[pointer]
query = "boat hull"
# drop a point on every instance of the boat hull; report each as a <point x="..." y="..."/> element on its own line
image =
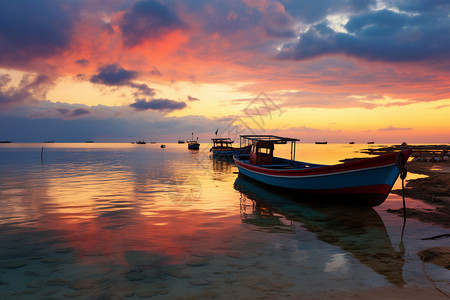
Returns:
<point x="230" y="151"/>
<point x="366" y="182"/>
<point x="194" y="147"/>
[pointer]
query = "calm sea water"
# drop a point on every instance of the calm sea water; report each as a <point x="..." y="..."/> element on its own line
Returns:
<point x="124" y="221"/>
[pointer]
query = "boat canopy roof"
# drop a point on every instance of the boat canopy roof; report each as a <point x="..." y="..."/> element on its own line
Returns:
<point x="268" y="138"/>
<point x="267" y="141"/>
<point x="218" y="140"/>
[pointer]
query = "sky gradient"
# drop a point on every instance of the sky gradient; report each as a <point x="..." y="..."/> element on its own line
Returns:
<point x="122" y="70"/>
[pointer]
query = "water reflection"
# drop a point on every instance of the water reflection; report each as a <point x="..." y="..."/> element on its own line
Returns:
<point x="222" y="164"/>
<point x="357" y="230"/>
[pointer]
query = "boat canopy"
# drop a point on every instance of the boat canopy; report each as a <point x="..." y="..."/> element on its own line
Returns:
<point x="263" y="146"/>
<point x="222" y="142"/>
<point x="268" y="138"/>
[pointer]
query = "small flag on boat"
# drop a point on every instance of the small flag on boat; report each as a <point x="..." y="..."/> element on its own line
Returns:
<point x="217" y="131"/>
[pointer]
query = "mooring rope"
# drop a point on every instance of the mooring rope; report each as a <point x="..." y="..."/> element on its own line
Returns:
<point x="400" y="163"/>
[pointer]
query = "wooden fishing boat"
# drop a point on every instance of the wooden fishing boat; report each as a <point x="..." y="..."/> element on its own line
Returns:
<point x="366" y="181"/>
<point x="193" y="144"/>
<point x="224" y="147"/>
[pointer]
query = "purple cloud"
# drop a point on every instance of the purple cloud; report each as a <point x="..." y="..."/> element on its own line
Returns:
<point x="113" y="75"/>
<point x="82" y="62"/>
<point x="190" y="98"/>
<point x="383" y="35"/>
<point x="278" y="23"/>
<point x="61" y="113"/>
<point x="155" y="72"/>
<point x="158" y="104"/>
<point x="143" y="89"/>
<point x="30" y="29"/>
<point x="30" y="89"/>
<point x="148" y="19"/>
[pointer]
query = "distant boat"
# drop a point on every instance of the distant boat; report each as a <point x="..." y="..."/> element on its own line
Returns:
<point x="351" y="143"/>
<point x="224" y="147"/>
<point x="49" y="142"/>
<point x="193" y="144"/>
<point x="370" y="142"/>
<point x="366" y="181"/>
<point x="141" y="142"/>
<point x="152" y="142"/>
<point x="4" y="142"/>
<point x="322" y="143"/>
<point x="180" y="141"/>
<point x="163" y="146"/>
<point x="89" y="141"/>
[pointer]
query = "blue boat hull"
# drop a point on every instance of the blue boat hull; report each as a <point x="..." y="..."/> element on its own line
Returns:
<point x="368" y="181"/>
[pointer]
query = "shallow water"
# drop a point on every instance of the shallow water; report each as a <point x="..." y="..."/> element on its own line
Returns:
<point x="102" y="221"/>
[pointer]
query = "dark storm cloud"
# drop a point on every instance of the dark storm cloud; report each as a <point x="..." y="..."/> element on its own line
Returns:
<point x="158" y="104"/>
<point x="379" y="35"/>
<point x="148" y="19"/>
<point x="30" y="89"/>
<point x="30" y="28"/>
<point x="113" y="75"/>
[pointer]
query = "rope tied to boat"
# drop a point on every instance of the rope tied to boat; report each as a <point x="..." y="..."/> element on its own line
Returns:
<point x="400" y="163"/>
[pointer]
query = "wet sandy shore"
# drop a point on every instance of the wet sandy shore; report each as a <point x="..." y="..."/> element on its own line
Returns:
<point x="433" y="189"/>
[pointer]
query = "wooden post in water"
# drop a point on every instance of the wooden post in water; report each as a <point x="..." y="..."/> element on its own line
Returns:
<point x="42" y="155"/>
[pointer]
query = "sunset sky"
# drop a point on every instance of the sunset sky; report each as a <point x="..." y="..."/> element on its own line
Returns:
<point x="122" y="70"/>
